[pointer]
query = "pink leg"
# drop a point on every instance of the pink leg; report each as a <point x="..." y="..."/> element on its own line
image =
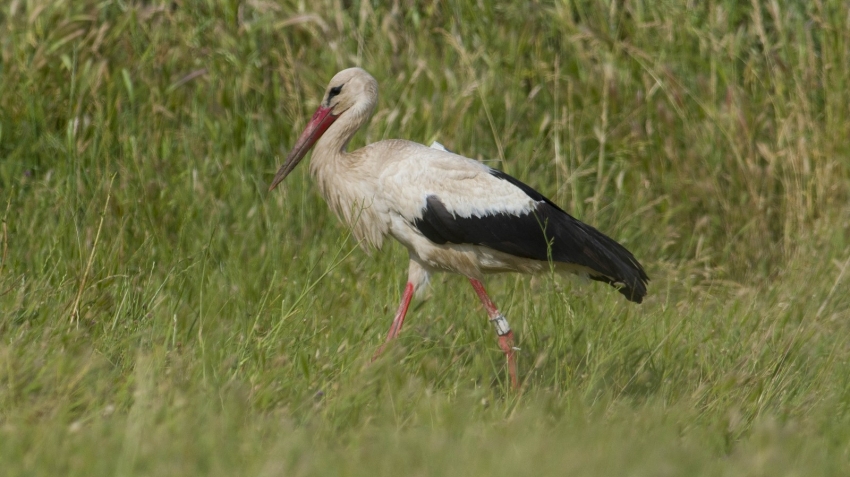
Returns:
<point x="506" y="336"/>
<point x="395" y="328"/>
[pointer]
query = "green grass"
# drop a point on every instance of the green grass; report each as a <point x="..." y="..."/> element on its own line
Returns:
<point x="161" y="314"/>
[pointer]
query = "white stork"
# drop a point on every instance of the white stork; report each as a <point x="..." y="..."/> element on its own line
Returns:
<point x="452" y="213"/>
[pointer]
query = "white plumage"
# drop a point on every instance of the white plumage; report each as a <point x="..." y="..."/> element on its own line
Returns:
<point x="452" y="213"/>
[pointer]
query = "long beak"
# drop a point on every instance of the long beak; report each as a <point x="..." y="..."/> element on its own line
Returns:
<point x="317" y="126"/>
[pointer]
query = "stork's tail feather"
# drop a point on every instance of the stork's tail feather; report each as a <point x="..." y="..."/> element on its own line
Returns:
<point x="573" y="241"/>
<point x="634" y="290"/>
<point x="611" y="262"/>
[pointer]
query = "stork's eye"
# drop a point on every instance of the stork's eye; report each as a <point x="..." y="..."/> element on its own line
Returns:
<point x="334" y="91"/>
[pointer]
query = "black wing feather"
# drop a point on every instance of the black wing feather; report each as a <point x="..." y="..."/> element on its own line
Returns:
<point x="547" y="233"/>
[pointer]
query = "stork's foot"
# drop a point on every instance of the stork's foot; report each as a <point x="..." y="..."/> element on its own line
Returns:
<point x="395" y="328"/>
<point x="503" y="330"/>
<point x="378" y="352"/>
<point x="506" y="342"/>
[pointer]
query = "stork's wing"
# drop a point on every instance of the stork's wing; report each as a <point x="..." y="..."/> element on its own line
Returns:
<point x="451" y="199"/>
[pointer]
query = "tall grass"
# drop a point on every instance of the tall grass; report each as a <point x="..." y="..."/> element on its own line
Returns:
<point x="160" y="313"/>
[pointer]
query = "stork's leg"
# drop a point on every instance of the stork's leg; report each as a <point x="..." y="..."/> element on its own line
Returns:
<point x="506" y="336"/>
<point x="398" y="320"/>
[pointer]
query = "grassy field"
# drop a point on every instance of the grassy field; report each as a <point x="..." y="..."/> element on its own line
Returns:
<point x="162" y="314"/>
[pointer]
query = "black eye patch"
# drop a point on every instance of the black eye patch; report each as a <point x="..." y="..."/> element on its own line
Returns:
<point x="334" y="91"/>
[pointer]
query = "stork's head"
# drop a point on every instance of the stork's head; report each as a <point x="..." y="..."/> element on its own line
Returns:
<point x="353" y="93"/>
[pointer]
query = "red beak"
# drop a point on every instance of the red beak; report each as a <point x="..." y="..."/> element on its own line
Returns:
<point x="322" y="119"/>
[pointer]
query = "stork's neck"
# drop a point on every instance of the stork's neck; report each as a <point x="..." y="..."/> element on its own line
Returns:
<point x="331" y="147"/>
<point x="340" y="180"/>
<point x="332" y="166"/>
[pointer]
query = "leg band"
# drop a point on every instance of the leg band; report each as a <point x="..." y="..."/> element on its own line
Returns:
<point x="501" y="324"/>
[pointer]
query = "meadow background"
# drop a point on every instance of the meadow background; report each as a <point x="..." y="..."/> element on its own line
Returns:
<point x="162" y="314"/>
